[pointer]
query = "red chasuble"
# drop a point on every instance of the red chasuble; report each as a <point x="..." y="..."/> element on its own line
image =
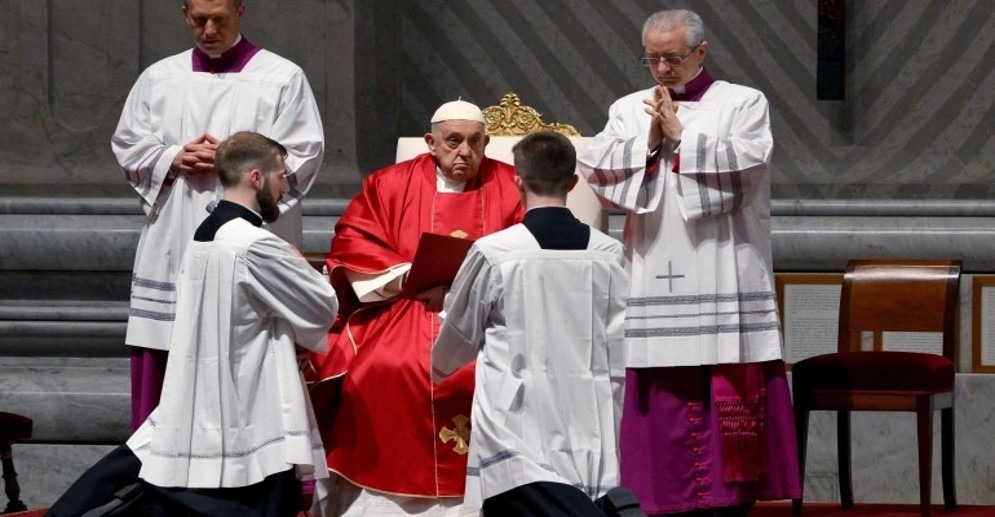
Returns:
<point x="394" y="430"/>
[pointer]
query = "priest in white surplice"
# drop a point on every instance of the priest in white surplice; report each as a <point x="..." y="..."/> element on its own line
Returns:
<point x="234" y="433"/>
<point x="176" y="113"/>
<point x="540" y="306"/>
<point x="707" y="418"/>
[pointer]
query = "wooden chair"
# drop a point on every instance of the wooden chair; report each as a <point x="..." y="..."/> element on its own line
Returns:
<point x="12" y="428"/>
<point x="880" y="296"/>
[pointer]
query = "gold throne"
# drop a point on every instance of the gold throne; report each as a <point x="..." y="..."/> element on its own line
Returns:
<point x="512" y="118"/>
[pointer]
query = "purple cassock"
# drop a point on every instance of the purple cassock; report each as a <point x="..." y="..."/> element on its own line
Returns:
<point x="671" y="441"/>
<point x="675" y="446"/>
<point x="148" y="366"/>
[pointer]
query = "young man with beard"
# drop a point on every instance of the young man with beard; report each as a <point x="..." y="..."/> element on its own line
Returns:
<point x="234" y="433"/>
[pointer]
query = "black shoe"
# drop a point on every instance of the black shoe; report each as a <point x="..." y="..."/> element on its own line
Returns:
<point x="619" y="502"/>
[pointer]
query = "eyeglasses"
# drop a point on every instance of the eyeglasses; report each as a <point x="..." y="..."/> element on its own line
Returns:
<point x="671" y="61"/>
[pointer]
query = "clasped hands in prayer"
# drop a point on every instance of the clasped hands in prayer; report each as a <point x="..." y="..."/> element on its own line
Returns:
<point x="664" y="125"/>
<point x="197" y="156"/>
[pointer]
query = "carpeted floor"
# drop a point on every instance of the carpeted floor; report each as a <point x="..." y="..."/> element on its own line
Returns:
<point x="778" y="509"/>
<point x="783" y="509"/>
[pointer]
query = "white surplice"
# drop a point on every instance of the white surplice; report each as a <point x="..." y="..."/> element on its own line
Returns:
<point x="549" y="368"/>
<point x="702" y="283"/>
<point x="171" y="105"/>
<point x="234" y="408"/>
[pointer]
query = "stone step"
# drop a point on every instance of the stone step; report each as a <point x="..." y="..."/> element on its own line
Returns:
<point x="99" y="242"/>
<point x="71" y="400"/>
<point x="63" y="338"/>
<point x="72" y="328"/>
<point x="96" y="286"/>
<point x="71" y="310"/>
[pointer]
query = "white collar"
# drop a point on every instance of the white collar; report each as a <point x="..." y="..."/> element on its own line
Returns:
<point x="215" y="56"/>
<point x="683" y="88"/>
<point x="444" y="184"/>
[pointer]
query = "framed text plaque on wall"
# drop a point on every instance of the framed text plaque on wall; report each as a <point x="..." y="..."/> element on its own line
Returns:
<point x="983" y="323"/>
<point x="809" y="306"/>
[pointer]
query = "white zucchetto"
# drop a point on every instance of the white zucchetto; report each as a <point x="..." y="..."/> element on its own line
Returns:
<point x="458" y="110"/>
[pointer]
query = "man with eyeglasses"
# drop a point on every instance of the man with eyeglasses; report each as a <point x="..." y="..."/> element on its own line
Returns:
<point x="706" y="424"/>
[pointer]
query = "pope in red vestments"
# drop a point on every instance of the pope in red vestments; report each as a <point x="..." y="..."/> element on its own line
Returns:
<point x="390" y="429"/>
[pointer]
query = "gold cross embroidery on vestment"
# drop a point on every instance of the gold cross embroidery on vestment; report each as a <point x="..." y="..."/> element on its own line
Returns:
<point x="461" y="434"/>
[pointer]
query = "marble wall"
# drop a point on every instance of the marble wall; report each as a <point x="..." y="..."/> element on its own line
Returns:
<point x="916" y="122"/>
<point x="902" y="167"/>
<point x="66" y="68"/>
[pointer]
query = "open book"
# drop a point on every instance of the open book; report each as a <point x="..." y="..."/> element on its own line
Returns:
<point x="437" y="260"/>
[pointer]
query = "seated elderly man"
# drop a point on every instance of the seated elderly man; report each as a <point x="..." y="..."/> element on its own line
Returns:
<point x="397" y="441"/>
